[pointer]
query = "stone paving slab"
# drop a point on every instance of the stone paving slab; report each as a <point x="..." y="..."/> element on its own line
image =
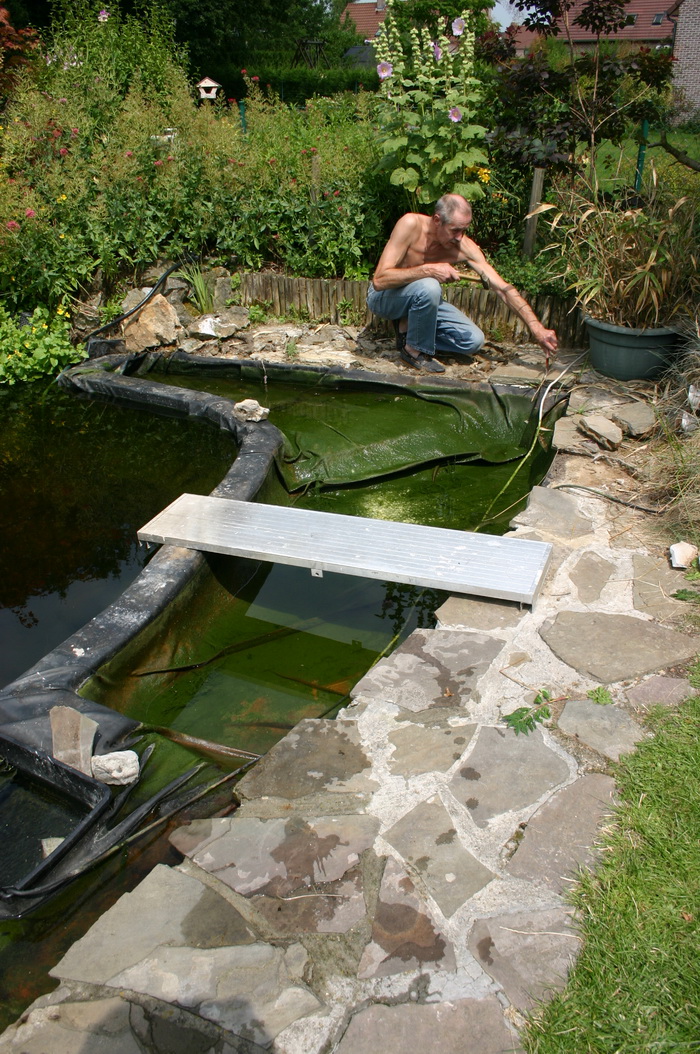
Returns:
<point x="507" y="772"/>
<point x="167" y="907"/>
<point x="427" y="840"/>
<point x="420" y="748"/>
<point x="529" y="953"/>
<point x="317" y="755"/>
<point x="659" y="690"/>
<point x="247" y="990"/>
<point x="654" y="585"/>
<point x="615" y="647"/>
<point x="429" y="667"/>
<point x="606" y="729"/>
<point x="404" y="937"/>
<point x="476" y="1026"/>
<point x="590" y="574"/>
<point x="554" y="513"/>
<point x="559" y="838"/>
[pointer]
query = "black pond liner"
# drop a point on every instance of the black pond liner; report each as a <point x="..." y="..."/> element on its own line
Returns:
<point x="55" y="680"/>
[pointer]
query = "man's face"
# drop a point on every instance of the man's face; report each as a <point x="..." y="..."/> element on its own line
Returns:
<point x="452" y="232"/>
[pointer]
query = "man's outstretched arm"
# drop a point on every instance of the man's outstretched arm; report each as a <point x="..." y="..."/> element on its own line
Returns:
<point x="546" y="338"/>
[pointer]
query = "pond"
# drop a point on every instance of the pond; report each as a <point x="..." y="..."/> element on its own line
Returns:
<point x="255" y="647"/>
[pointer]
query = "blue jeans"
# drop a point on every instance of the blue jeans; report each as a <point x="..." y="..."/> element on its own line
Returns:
<point x="433" y="324"/>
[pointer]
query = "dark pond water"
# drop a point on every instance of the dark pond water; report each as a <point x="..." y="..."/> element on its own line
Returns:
<point x="77" y="479"/>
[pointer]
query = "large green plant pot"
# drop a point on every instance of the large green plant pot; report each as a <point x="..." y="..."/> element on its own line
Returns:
<point x="629" y="354"/>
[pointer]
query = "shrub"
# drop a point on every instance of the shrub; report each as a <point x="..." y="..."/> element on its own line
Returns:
<point x="31" y="347"/>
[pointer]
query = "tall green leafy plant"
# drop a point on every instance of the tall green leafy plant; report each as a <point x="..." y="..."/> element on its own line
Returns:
<point x="427" y="113"/>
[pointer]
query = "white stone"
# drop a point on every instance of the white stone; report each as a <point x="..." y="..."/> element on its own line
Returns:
<point x="683" y="554"/>
<point x="250" y="410"/>
<point x="119" y="767"/>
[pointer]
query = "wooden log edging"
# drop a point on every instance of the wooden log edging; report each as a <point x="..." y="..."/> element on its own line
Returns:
<point x="318" y="300"/>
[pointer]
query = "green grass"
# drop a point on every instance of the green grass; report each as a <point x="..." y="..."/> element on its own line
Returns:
<point x="636" y="986"/>
<point x="616" y="166"/>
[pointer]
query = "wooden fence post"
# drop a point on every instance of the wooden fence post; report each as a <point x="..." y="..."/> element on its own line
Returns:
<point x="531" y="223"/>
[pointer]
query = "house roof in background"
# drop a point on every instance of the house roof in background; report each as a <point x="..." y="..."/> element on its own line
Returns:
<point x="650" y="24"/>
<point x="367" y="16"/>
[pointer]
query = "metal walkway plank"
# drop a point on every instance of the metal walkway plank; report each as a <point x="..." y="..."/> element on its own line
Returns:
<point x="433" y="557"/>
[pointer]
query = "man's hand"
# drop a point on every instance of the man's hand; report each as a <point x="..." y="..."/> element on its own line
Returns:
<point x="546" y="338"/>
<point x="444" y="272"/>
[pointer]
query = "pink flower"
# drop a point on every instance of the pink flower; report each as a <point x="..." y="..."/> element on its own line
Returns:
<point x="63" y="100"/>
<point x="458" y="27"/>
<point x="30" y="214"/>
<point x="170" y="157"/>
<point x="384" y="70"/>
<point x="336" y="193"/>
<point x="158" y="162"/>
<point x="314" y="150"/>
<point x="73" y="133"/>
<point x="244" y="72"/>
<point x="103" y="15"/>
<point x="255" y="79"/>
<point x="128" y="153"/>
<point x="437" y="52"/>
<point x="231" y="160"/>
<point x="455" y="114"/>
<point x="63" y="151"/>
<point x="12" y="225"/>
<point x="304" y="151"/>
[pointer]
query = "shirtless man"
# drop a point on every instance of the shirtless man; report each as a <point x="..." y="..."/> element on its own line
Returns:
<point x="406" y="288"/>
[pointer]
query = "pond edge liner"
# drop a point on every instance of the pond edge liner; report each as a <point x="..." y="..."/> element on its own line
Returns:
<point x="55" y="679"/>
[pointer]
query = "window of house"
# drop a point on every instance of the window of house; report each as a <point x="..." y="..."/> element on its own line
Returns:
<point x="658" y="19"/>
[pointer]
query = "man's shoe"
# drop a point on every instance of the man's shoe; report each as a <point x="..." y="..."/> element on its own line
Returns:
<point x="421" y="362"/>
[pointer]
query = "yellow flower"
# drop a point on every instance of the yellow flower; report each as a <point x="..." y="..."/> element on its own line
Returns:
<point x="483" y="174"/>
<point x="61" y="235"/>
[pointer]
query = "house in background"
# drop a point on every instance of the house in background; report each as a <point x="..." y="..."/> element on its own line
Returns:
<point x="686" y="49"/>
<point x="654" y="25"/>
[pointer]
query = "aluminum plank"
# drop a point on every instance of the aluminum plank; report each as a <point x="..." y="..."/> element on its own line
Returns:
<point x="433" y="557"/>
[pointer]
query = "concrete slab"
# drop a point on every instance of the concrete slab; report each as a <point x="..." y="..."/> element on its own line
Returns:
<point x="606" y="729"/>
<point x="168" y="907"/>
<point x="473" y="1025"/>
<point x="529" y="953"/>
<point x="561" y="836"/>
<point x="429" y="668"/>
<point x="660" y="690"/>
<point x="404" y="937"/>
<point x="590" y="574"/>
<point x="428" y="841"/>
<point x="316" y="755"/>
<point x="614" y="648"/>
<point x="506" y="772"/>
<point x="554" y="514"/>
